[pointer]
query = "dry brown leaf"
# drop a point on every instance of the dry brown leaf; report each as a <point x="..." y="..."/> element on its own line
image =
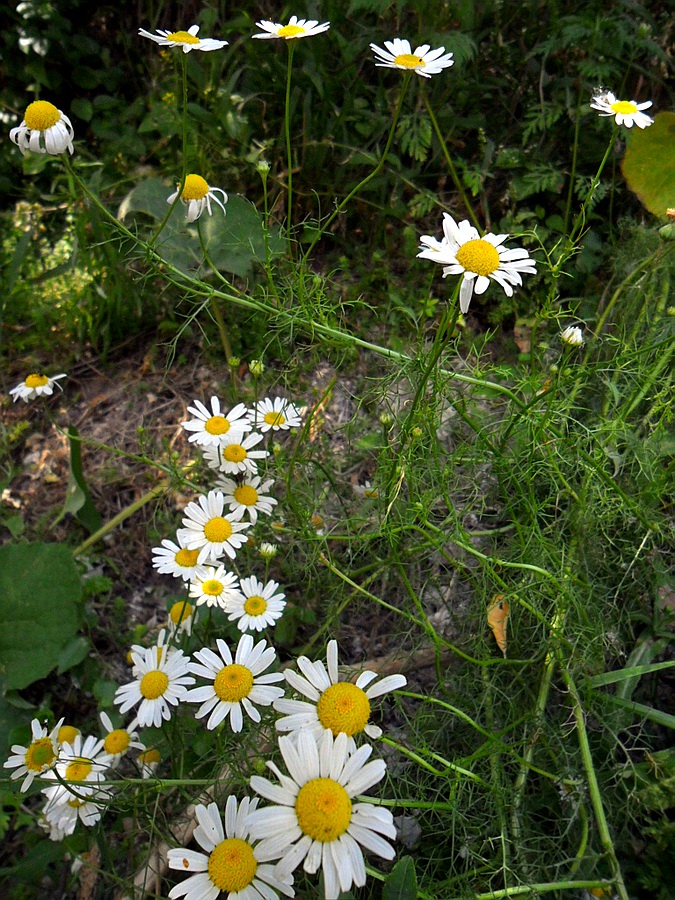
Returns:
<point x="497" y="617"/>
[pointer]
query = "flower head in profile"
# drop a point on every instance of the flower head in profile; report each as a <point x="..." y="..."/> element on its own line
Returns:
<point x="149" y="762"/>
<point x="62" y="813"/>
<point x="316" y="818"/>
<point x="197" y="196"/>
<point x="210" y="531"/>
<point x="232" y="864"/>
<point x="572" y="336"/>
<point x="36" y="385"/>
<point x="44" y="129"/>
<point x="259" y="605"/>
<point x="234" y="683"/>
<point x="625" y="112"/>
<point x="67" y="734"/>
<point x="158" y="686"/>
<point x="462" y="251"/>
<point x="215" y="587"/>
<point x="188" y="40"/>
<point x="182" y="616"/>
<point x="425" y="61"/>
<point x="38" y="757"/>
<point x="275" y="415"/>
<point x="296" y="28"/>
<point x="211" y="427"/>
<point x="336" y="706"/>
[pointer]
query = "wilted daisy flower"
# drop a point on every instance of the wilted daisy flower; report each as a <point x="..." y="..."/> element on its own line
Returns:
<point x="231" y="865"/>
<point x="83" y="762"/>
<point x="182" y="617"/>
<point x="268" y="551"/>
<point x="573" y="336"/>
<point x="296" y="28"/>
<point x="275" y="415"/>
<point x="67" y="734"/>
<point x="157" y="687"/>
<point x="316" y="819"/>
<point x="38" y="757"/>
<point x="197" y="196"/>
<point x="234" y="683"/>
<point x="248" y="496"/>
<point x="175" y="559"/>
<point x="259" y="606"/>
<point x="424" y="60"/>
<point x="338" y="706"/>
<point x="210" y="427"/>
<point x="235" y="456"/>
<point x="215" y="587"/>
<point x="36" y="386"/>
<point x="63" y="812"/>
<point x="625" y="112"/>
<point x="45" y="129"/>
<point x="188" y="40"/>
<point x="211" y="532"/>
<point x="479" y="259"/>
<point x="149" y="760"/>
<point x="119" y="740"/>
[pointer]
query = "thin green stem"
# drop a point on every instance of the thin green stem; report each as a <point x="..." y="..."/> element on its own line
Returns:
<point x="121" y="517"/>
<point x="573" y="172"/>
<point x="289" y="152"/>
<point x="451" y="166"/>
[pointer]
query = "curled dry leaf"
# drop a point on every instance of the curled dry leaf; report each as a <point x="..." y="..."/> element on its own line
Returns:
<point x="497" y="617"/>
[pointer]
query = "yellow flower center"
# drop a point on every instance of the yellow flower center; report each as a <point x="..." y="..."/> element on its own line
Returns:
<point x="274" y="418"/>
<point x="212" y="587"/>
<point x="41" y="115"/>
<point x="216" y="424"/>
<point x="246" y="495"/>
<point x="117" y="742"/>
<point x="186" y="558"/>
<point x="343" y="707"/>
<point x="67" y="734"/>
<point x="34" y="381"/>
<point x="217" y="530"/>
<point x="232" y="865"/>
<point x="290" y="31"/>
<point x="74" y="803"/>
<point x="40" y="755"/>
<point x="626" y="107"/>
<point x="234" y="453"/>
<point x="195" y="187"/>
<point x="255" y="605"/>
<point x="324" y="809"/>
<point x="150" y="756"/>
<point x="78" y="769"/>
<point x="153" y="684"/>
<point x="180" y="612"/>
<point x="233" y="683"/>
<point x="183" y="37"/>
<point x="478" y="256"/>
<point x="409" y="61"/>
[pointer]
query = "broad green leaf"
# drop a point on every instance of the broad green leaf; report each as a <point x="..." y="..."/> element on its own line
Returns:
<point x="73" y="653"/>
<point x="78" y="500"/>
<point x="40" y="588"/>
<point x="401" y="883"/>
<point x="623" y="674"/>
<point x="649" y="163"/>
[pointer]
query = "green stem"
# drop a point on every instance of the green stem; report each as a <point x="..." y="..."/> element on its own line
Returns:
<point x="121" y="517"/>
<point x="451" y="167"/>
<point x="541" y="888"/>
<point x="580" y="220"/>
<point x="340" y="208"/>
<point x="573" y="172"/>
<point x="289" y="154"/>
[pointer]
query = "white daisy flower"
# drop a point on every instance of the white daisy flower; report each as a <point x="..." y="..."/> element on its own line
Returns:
<point x="162" y="650"/>
<point x="231" y="863"/>
<point x="338" y="706"/>
<point x="175" y="559"/>
<point x="197" y="196"/>
<point x="275" y="415"/>
<point x="36" y="385"/>
<point x="236" y="456"/>
<point x="83" y="764"/>
<point x="296" y="28"/>
<point x="182" y="616"/>
<point x="424" y="60"/>
<point x="215" y="587"/>
<point x="625" y="112"/>
<point x="67" y="734"/>
<point x="316" y="819"/>
<point x="259" y="606"/>
<point x="234" y="683"/>
<point x="188" y="40"/>
<point x="158" y="686"/>
<point x="44" y="129"/>
<point x="211" y="428"/>
<point x="248" y="496"/>
<point x="479" y="259"/>
<point x="211" y="532"/>
<point x="573" y="336"/>
<point x="63" y="813"/>
<point x="38" y="757"/>
<point x="149" y="761"/>
<point x="119" y="741"/>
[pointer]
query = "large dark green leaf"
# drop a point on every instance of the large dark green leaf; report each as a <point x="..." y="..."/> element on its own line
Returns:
<point x="649" y="164"/>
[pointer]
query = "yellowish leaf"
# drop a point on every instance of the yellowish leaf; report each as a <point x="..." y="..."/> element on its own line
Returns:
<point x="497" y="616"/>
